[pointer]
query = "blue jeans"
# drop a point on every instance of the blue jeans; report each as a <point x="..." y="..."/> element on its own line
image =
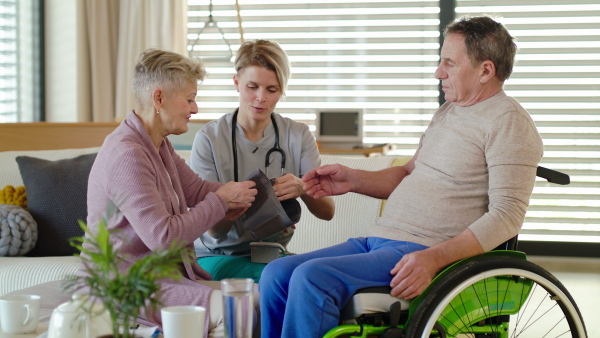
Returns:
<point x="301" y="295"/>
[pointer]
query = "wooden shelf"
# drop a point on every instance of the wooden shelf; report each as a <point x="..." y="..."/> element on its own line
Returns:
<point x="367" y="152"/>
<point x="50" y="135"/>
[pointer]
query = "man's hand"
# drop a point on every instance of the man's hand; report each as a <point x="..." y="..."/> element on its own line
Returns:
<point x="413" y="273"/>
<point x="238" y="194"/>
<point x="327" y="180"/>
<point x="288" y="187"/>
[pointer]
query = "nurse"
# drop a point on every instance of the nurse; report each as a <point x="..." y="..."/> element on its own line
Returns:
<point x="280" y="147"/>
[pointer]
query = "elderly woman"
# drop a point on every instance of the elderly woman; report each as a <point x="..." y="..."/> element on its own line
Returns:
<point x="262" y="72"/>
<point x="158" y="199"/>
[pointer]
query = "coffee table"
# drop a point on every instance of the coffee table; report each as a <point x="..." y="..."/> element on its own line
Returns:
<point x="40" y="332"/>
<point x="52" y="295"/>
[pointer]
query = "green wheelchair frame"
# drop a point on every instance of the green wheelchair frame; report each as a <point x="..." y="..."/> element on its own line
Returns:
<point x="487" y="295"/>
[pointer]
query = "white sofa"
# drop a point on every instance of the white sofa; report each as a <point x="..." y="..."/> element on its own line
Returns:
<point x="354" y="213"/>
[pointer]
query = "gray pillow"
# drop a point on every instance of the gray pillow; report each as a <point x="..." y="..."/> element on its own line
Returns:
<point x="57" y="199"/>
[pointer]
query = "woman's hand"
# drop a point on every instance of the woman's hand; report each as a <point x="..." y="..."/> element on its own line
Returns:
<point x="238" y="194"/>
<point x="224" y="226"/>
<point x="288" y="187"/>
<point x="233" y="214"/>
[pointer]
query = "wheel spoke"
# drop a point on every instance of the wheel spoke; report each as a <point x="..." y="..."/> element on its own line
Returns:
<point x="459" y="316"/>
<point x="522" y="297"/>
<point x="534" y="301"/>
<point x="458" y="328"/>
<point x="524" y="310"/>
<point x="552" y="328"/>
<point x="538" y="318"/>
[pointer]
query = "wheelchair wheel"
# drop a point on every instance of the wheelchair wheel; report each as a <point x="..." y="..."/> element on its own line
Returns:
<point x="497" y="296"/>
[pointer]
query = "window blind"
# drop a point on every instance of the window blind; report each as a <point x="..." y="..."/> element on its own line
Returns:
<point x="375" y="55"/>
<point x="8" y="61"/>
<point x="381" y="56"/>
<point x="557" y="79"/>
<point x="19" y="83"/>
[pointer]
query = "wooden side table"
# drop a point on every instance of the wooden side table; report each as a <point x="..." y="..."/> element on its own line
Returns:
<point x="367" y="152"/>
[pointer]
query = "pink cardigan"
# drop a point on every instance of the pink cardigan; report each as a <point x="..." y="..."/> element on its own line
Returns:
<point x="146" y="196"/>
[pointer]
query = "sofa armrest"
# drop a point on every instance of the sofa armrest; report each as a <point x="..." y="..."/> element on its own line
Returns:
<point x="17" y="273"/>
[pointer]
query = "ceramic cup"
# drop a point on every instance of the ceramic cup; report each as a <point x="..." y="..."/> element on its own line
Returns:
<point x="19" y="313"/>
<point x="238" y="307"/>
<point x="183" y="321"/>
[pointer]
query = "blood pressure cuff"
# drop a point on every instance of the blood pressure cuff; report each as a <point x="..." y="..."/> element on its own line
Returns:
<point x="267" y="215"/>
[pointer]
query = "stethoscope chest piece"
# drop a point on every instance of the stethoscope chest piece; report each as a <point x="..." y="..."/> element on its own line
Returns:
<point x="276" y="148"/>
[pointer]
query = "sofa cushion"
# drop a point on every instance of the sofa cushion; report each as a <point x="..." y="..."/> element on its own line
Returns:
<point x="57" y="199"/>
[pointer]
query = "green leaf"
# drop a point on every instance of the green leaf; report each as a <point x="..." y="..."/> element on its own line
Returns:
<point x="122" y="293"/>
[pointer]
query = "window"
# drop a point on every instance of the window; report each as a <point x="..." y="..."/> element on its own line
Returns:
<point x="380" y="56"/>
<point x="557" y="79"/>
<point x="20" y="53"/>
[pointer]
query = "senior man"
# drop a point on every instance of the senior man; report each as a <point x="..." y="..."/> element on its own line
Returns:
<point x="464" y="192"/>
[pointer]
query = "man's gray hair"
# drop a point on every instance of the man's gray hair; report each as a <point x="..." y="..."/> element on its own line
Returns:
<point x="486" y="39"/>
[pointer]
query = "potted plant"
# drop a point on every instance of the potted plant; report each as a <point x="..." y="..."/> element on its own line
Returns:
<point x="123" y="294"/>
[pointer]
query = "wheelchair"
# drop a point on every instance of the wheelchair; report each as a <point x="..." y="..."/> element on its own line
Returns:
<point x="495" y="294"/>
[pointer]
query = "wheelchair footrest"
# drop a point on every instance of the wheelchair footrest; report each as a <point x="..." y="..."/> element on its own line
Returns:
<point x="393" y="332"/>
<point x="374" y="319"/>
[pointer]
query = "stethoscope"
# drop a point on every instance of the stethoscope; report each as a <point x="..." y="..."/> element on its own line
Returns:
<point x="275" y="148"/>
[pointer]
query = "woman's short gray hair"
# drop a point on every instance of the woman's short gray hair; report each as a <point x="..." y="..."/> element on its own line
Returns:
<point x="163" y="69"/>
<point x="266" y="54"/>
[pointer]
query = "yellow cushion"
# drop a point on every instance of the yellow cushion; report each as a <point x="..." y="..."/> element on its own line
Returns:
<point x="14" y="196"/>
<point x="398" y="161"/>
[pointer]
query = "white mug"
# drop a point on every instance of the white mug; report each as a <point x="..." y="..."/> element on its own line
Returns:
<point x="183" y="321"/>
<point x="19" y="313"/>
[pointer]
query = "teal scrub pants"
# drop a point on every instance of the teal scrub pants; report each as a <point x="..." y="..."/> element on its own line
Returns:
<point x="222" y="267"/>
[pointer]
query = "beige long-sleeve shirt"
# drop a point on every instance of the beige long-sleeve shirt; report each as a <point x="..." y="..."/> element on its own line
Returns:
<point x="475" y="169"/>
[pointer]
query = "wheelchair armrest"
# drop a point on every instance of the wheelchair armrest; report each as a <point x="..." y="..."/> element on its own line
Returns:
<point x="368" y="305"/>
<point x="553" y="176"/>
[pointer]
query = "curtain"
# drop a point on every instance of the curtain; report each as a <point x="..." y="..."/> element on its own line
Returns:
<point x="145" y="24"/>
<point x="102" y="29"/>
<point x="118" y="32"/>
